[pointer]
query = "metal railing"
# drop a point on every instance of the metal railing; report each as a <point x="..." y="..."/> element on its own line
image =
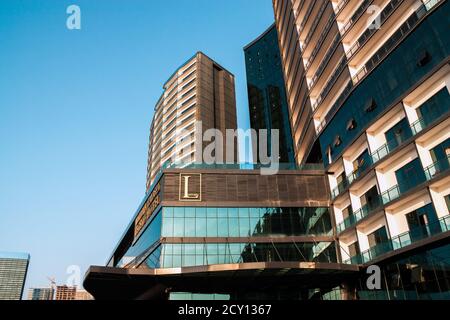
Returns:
<point x="358" y="13"/>
<point x="358" y="215"/>
<point x="402" y="240"/>
<point x="315" y="23"/>
<point x="393" y="41"/>
<point x="396" y="38"/>
<point x="436" y="168"/>
<point x="325" y="60"/>
<point x="382" y="17"/>
<point x="336" y="73"/>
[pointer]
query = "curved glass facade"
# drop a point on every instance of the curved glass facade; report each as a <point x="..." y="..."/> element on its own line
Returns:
<point x="171" y="255"/>
<point x="245" y="222"/>
<point x="266" y="91"/>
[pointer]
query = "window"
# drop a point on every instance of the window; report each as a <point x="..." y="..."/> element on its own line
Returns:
<point x="353" y="249"/>
<point x="422" y="222"/>
<point x="397" y="134"/>
<point x="441" y="151"/>
<point x="447" y="201"/>
<point x="351" y="124"/>
<point x="370" y="105"/>
<point x="410" y="175"/>
<point x="370" y="199"/>
<point x="361" y="162"/>
<point x="378" y="237"/>
<point x="341" y="180"/>
<point x="347" y="212"/>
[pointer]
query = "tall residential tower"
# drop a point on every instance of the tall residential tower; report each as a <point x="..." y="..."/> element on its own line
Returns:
<point x="368" y="87"/>
<point x="199" y="90"/>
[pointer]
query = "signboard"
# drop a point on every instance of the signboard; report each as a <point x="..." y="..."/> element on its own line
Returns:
<point x="190" y="187"/>
<point x="147" y="210"/>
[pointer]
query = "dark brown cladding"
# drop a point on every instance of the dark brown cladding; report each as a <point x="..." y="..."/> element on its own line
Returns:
<point x="244" y="188"/>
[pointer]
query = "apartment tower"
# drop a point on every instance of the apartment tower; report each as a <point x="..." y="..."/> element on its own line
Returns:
<point x="199" y="90"/>
<point x="368" y="85"/>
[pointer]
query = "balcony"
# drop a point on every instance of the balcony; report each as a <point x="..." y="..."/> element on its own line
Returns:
<point x="385" y="198"/>
<point x="358" y="13"/>
<point x="331" y="50"/>
<point x="331" y="81"/>
<point x="437" y="168"/>
<point x="390" y="146"/>
<point x="383" y="16"/>
<point x="341" y="187"/>
<point x="396" y="38"/>
<point x="358" y="215"/>
<point x="314" y="25"/>
<point x="393" y="41"/>
<point x="403" y="240"/>
<point x="428" y="119"/>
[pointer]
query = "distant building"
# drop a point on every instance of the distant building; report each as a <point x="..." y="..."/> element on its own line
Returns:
<point x="65" y="293"/>
<point x="83" y="295"/>
<point x="13" y="272"/>
<point x="72" y="293"/>
<point x="41" y="293"/>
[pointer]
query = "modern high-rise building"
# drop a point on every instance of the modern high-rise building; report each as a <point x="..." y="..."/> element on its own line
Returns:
<point x="367" y="85"/>
<point x="199" y="90"/>
<point x="59" y="293"/>
<point x="65" y="292"/>
<point x="225" y="231"/>
<point x="41" y="293"/>
<point x="368" y="88"/>
<point x="266" y="93"/>
<point x="13" y="273"/>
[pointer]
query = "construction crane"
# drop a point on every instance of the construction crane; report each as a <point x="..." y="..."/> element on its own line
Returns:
<point x="52" y="282"/>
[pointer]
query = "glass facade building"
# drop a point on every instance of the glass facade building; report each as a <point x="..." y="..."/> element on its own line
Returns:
<point x="266" y="92"/>
<point x="13" y="273"/>
<point x="372" y="104"/>
<point x="199" y="223"/>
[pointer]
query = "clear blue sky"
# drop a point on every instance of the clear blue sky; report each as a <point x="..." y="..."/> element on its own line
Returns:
<point x="75" y="111"/>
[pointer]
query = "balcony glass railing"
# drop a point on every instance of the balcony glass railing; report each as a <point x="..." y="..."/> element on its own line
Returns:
<point x="393" y="41"/>
<point x="390" y="146"/>
<point x="382" y="17"/>
<point x="403" y="240"/>
<point x="327" y="88"/>
<point x="417" y="127"/>
<point x="437" y="168"/>
<point x="428" y="119"/>
<point x="358" y="215"/>
<point x="358" y="13"/>
<point x="340" y="188"/>
<point x="315" y="23"/>
<point x="391" y="194"/>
